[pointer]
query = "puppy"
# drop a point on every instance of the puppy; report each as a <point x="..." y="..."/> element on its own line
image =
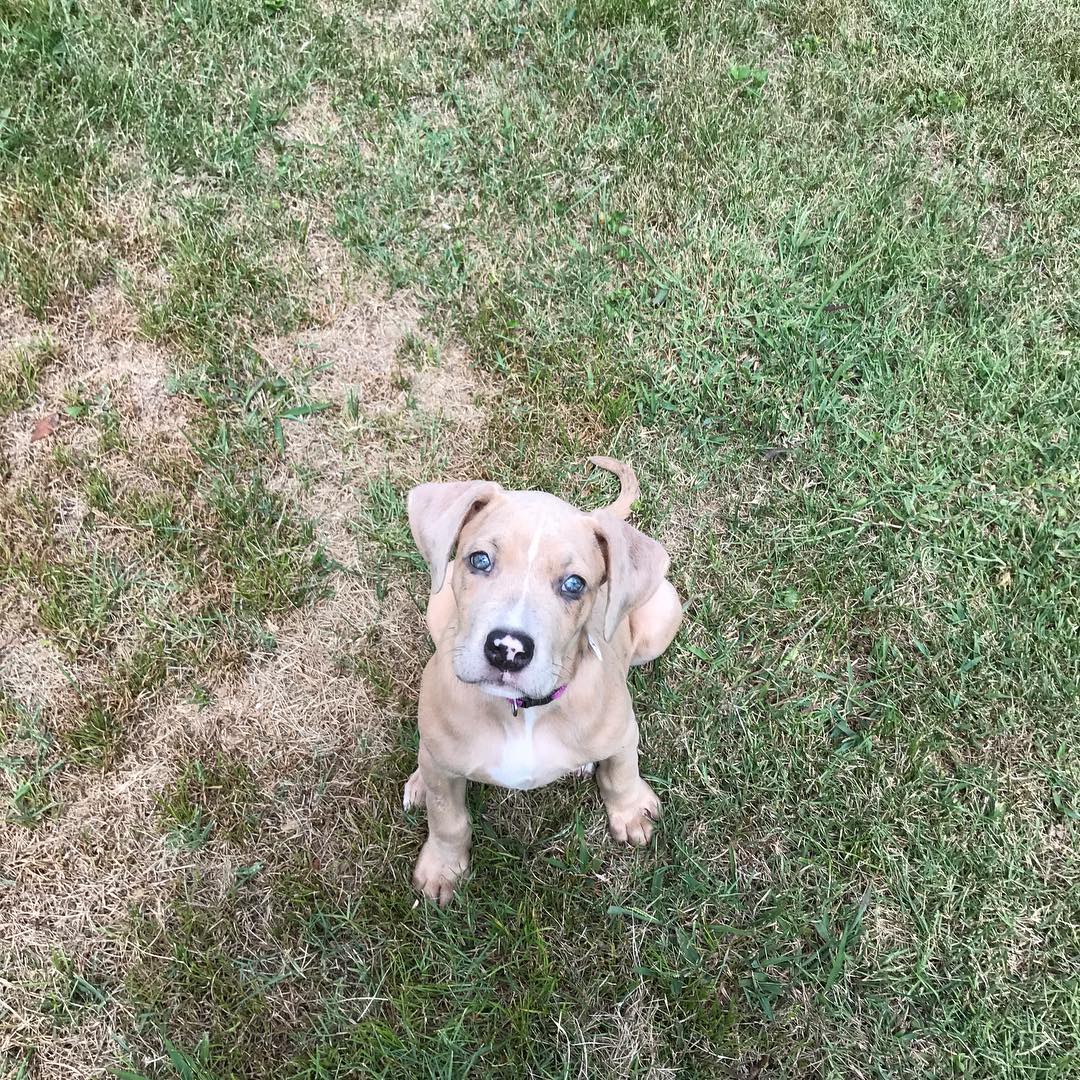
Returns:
<point x="536" y="621"/>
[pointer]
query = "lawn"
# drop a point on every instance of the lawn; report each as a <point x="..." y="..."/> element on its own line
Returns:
<point x="812" y="266"/>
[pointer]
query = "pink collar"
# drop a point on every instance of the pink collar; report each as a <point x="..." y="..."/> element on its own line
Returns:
<point x="532" y="702"/>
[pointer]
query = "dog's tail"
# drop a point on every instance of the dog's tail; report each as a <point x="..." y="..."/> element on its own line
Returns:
<point x="630" y="488"/>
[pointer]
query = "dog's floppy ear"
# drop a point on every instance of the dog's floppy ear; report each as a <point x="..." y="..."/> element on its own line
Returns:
<point x="636" y="564"/>
<point x="437" y="514"/>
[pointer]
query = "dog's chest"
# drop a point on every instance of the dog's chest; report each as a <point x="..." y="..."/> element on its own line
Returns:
<point x="528" y="756"/>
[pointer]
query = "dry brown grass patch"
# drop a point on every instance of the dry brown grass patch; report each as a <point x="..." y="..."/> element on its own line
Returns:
<point x="304" y="726"/>
<point x="102" y="362"/>
<point x="383" y="410"/>
<point x="71" y="884"/>
<point x="313" y="122"/>
<point x="309" y="723"/>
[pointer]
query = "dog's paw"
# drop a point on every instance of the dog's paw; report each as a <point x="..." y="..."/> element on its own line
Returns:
<point x="583" y="772"/>
<point x="436" y="875"/>
<point x="634" y="824"/>
<point x="415" y="796"/>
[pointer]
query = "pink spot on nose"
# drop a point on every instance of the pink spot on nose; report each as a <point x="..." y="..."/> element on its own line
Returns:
<point x="510" y="645"/>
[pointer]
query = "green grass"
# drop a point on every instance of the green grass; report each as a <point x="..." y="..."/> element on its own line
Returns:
<point x="21" y="370"/>
<point x="212" y="793"/>
<point x="811" y="266"/>
<point x="26" y="762"/>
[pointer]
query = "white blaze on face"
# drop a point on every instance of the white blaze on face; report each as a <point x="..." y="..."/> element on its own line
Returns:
<point x="526" y="578"/>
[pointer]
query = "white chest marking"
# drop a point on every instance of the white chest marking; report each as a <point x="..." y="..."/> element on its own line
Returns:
<point x="518" y="766"/>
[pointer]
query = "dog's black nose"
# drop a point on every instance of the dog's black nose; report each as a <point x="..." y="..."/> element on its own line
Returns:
<point x="508" y="650"/>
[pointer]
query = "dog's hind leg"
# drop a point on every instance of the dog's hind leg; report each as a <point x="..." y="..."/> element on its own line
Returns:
<point x="415" y="792"/>
<point x="653" y="625"/>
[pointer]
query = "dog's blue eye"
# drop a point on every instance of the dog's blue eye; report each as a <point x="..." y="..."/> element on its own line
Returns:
<point x="573" y="585"/>
<point x="480" y="560"/>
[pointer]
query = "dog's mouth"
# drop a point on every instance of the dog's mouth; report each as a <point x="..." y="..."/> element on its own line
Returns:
<point x="501" y="689"/>
<point x="506" y="686"/>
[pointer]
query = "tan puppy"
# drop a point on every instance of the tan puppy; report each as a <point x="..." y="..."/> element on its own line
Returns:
<point x="535" y="627"/>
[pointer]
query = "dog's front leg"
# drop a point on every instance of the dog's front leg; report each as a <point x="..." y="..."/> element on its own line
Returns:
<point x="445" y="855"/>
<point x="631" y="804"/>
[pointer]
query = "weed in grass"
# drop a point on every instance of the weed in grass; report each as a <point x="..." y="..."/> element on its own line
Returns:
<point x="96" y="739"/>
<point x="21" y="370"/>
<point x="269" y="557"/>
<point x="183" y="1064"/>
<point x="78" y="600"/>
<point x="28" y="762"/>
<point x="385" y="523"/>
<point x="99" y="490"/>
<point x="213" y="795"/>
<point x="71" y="991"/>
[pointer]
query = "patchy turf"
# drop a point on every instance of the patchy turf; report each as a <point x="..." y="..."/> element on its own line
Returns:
<point x="810" y="266"/>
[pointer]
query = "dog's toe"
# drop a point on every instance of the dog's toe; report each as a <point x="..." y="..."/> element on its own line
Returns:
<point x="634" y="825"/>
<point x="436" y="876"/>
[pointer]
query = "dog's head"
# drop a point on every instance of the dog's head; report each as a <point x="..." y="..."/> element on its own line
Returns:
<point x="532" y="577"/>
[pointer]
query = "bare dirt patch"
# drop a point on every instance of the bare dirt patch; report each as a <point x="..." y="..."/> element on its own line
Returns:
<point x="383" y="410"/>
<point x="313" y="122"/>
<point x="101" y="365"/>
